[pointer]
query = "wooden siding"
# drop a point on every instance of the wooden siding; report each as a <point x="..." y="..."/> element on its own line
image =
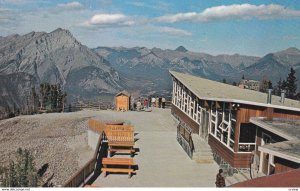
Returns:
<point x="282" y="165"/>
<point x="122" y="103"/>
<point x="185" y="118"/>
<point x="236" y="160"/>
<point x="280" y="113"/>
<point x="246" y="111"/>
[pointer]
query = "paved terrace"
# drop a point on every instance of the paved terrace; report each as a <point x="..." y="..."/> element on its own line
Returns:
<point x="161" y="160"/>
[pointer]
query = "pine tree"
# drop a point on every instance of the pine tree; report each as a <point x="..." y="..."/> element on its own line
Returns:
<point x="243" y="77"/>
<point x="21" y="173"/>
<point x="270" y="85"/>
<point x="284" y="85"/>
<point x="291" y="84"/>
<point x="12" y="175"/>
<point x="278" y="87"/>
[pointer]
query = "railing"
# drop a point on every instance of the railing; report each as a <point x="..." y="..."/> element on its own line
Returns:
<point x="96" y="126"/>
<point x="246" y="147"/>
<point x="168" y="104"/>
<point x="184" y="137"/>
<point x="89" y="105"/>
<point x="80" y="177"/>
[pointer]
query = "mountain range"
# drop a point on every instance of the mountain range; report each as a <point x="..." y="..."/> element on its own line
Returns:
<point x="56" y="58"/>
<point x="84" y="73"/>
<point x="148" y="68"/>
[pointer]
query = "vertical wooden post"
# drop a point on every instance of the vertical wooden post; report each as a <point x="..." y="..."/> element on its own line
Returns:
<point x="237" y="130"/>
<point x="269" y="113"/>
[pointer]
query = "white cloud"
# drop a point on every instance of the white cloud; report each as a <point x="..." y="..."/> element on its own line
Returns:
<point x="235" y="11"/>
<point x="158" y="5"/>
<point x="71" y="6"/>
<point x="109" y="20"/>
<point x="177" y="17"/>
<point x="174" y="31"/>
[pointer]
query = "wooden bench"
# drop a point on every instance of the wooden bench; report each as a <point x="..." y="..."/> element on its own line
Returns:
<point x="120" y="141"/>
<point x="119" y="128"/>
<point x="118" y="162"/>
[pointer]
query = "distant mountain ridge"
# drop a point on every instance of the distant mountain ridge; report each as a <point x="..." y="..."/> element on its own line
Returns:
<point x="140" y="65"/>
<point x="58" y="58"/>
<point x="150" y="66"/>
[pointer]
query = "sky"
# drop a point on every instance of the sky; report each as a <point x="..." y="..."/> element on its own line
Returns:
<point x="254" y="27"/>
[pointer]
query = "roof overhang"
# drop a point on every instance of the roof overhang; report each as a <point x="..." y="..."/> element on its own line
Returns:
<point x="237" y="100"/>
<point x="257" y="121"/>
<point x="278" y="154"/>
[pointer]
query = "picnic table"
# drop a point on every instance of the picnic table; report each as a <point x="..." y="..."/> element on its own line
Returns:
<point x="114" y="162"/>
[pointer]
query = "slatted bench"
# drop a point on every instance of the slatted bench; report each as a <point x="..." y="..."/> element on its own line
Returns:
<point x="120" y="141"/>
<point x="118" y="162"/>
<point x="119" y="128"/>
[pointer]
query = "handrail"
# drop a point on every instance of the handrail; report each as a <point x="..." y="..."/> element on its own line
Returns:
<point x="82" y="174"/>
<point x="184" y="137"/>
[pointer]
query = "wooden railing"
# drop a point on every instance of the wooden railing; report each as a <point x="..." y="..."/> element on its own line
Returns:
<point x="89" y="105"/>
<point x="168" y="104"/>
<point x="184" y="137"/>
<point x="96" y="126"/>
<point x="81" y="176"/>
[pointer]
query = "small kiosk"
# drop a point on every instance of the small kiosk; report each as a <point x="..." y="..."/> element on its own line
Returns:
<point x="122" y="100"/>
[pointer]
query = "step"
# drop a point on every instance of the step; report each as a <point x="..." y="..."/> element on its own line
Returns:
<point x="229" y="180"/>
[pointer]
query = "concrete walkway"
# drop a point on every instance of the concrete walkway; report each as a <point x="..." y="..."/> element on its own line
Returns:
<point x="161" y="160"/>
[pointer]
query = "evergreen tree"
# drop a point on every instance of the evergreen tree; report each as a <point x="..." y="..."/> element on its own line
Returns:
<point x="21" y="173"/>
<point x="278" y="88"/>
<point x="35" y="100"/>
<point x="12" y="175"/>
<point x="291" y="84"/>
<point x="224" y="81"/>
<point x="243" y="77"/>
<point x="284" y="85"/>
<point x="270" y="85"/>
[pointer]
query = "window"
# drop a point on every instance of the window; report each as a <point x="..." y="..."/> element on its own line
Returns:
<point x="225" y="137"/>
<point x="247" y="133"/>
<point x="232" y="133"/>
<point x="213" y="126"/>
<point x="226" y="111"/>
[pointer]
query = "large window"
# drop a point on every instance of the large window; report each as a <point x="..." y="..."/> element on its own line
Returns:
<point x="247" y="133"/>
<point x="247" y="137"/>
<point x="222" y="124"/>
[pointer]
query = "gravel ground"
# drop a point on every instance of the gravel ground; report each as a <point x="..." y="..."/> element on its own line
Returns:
<point x="59" y="139"/>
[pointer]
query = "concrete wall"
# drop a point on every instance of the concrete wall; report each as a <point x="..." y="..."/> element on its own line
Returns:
<point x="93" y="138"/>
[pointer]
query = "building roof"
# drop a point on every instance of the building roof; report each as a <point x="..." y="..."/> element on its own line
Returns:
<point x="216" y="91"/>
<point x="286" y="179"/>
<point x="285" y="128"/>
<point x="289" y="150"/>
<point x="123" y="93"/>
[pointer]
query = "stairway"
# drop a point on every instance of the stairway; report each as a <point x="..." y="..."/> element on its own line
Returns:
<point x="203" y="153"/>
<point x="241" y="176"/>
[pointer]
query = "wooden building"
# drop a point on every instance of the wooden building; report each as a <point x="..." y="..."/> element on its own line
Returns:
<point x="122" y="101"/>
<point x="221" y="114"/>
